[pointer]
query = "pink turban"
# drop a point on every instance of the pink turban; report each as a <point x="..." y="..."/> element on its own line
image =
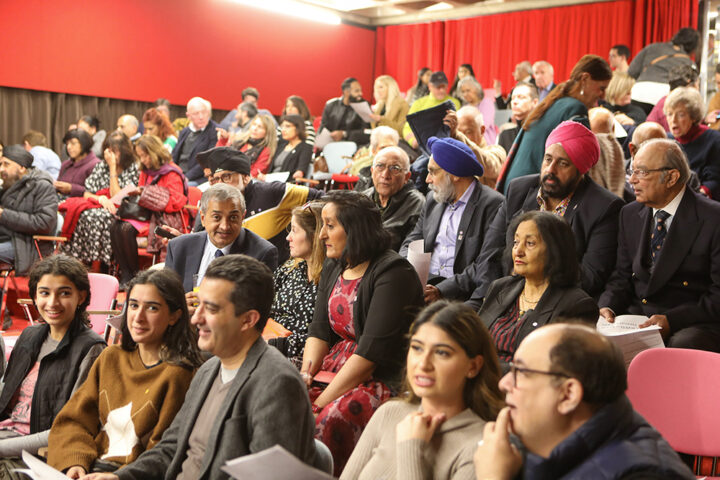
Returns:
<point x="579" y="143"/>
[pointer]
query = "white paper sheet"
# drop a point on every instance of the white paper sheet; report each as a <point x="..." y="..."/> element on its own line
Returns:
<point x="627" y="334"/>
<point x="39" y="470"/>
<point x="275" y="463"/>
<point x="419" y="259"/>
<point x="277" y="177"/>
<point x="323" y="138"/>
<point x="117" y="198"/>
<point x="363" y="109"/>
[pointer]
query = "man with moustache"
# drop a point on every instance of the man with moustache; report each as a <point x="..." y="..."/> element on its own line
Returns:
<point x="341" y="120"/>
<point x="562" y="187"/>
<point x="456" y="214"/>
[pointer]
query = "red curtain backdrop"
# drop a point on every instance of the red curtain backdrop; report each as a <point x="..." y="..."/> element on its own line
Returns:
<point x="493" y="44"/>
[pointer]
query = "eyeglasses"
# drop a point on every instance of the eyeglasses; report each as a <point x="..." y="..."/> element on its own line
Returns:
<point x="394" y="169"/>
<point x="224" y="177"/>
<point x="644" y="172"/>
<point x="514" y="369"/>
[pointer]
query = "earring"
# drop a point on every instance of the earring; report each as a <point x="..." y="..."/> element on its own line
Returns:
<point x="582" y="92"/>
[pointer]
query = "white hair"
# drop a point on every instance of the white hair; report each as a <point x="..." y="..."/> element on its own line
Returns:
<point x="471" y="111"/>
<point x="396" y="152"/>
<point x="200" y="103"/>
<point x="383" y="132"/>
<point x="543" y="63"/>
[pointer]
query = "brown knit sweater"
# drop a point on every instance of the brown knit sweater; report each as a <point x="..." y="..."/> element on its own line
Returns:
<point x="121" y="410"/>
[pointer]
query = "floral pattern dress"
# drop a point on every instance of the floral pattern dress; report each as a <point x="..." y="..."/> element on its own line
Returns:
<point x="293" y="306"/>
<point x="340" y="424"/>
<point x="91" y="239"/>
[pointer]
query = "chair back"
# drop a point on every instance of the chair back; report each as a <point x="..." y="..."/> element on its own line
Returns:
<point x="677" y="392"/>
<point x="338" y="154"/>
<point x="103" y="290"/>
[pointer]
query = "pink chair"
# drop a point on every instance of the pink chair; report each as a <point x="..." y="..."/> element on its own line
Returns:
<point x="103" y="290"/>
<point x="677" y="391"/>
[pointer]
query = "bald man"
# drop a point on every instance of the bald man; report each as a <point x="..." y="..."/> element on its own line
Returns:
<point x="609" y="171"/>
<point x="643" y="133"/>
<point x="128" y="124"/>
<point x="470" y="130"/>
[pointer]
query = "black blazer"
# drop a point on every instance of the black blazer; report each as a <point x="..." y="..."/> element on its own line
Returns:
<point x="685" y="284"/>
<point x="184" y="253"/>
<point x="479" y="212"/>
<point x="556" y="304"/>
<point x="593" y="217"/>
<point x="298" y="158"/>
<point x="207" y="140"/>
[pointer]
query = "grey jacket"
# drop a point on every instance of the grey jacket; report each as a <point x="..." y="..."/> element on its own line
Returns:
<point x="267" y="405"/>
<point x="402" y="212"/>
<point x="30" y="208"/>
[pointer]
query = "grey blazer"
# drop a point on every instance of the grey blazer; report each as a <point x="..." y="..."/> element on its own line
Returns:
<point x="267" y="405"/>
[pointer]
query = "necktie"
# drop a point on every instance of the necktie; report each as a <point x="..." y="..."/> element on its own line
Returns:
<point x="218" y="253"/>
<point x="658" y="234"/>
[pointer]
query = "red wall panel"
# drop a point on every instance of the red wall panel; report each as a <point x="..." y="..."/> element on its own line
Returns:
<point x="145" y="49"/>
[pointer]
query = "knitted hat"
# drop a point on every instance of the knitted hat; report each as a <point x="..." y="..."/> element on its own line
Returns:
<point x="19" y="155"/>
<point x="454" y="157"/>
<point x="579" y="143"/>
<point x="224" y="158"/>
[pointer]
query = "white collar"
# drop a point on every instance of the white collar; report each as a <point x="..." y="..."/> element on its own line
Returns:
<point x="671" y="207"/>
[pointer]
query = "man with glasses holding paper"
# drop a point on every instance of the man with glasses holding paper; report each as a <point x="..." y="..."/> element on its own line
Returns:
<point x="566" y="404"/>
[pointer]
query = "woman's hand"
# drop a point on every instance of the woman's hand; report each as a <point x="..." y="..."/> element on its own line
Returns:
<point x="418" y="425"/>
<point x="101" y="476"/>
<point x="63" y="187"/>
<point x="107" y="204"/>
<point x="375" y="117"/>
<point x="76" y="472"/>
<point x="110" y="159"/>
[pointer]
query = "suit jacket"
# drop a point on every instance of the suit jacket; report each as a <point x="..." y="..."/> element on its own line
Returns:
<point x="184" y="253"/>
<point x="479" y="212"/>
<point x="255" y="415"/>
<point x="685" y="283"/>
<point x="556" y="303"/>
<point x="298" y="158"/>
<point x="593" y="217"/>
<point x="207" y="140"/>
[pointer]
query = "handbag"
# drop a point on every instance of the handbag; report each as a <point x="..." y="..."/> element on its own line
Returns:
<point x="130" y="209"/>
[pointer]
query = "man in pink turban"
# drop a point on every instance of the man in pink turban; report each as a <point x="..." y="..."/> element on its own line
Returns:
<point x="563" y="188"/>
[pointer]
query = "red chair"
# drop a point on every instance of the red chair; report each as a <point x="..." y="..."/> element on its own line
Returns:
<point x="677" y="392"/>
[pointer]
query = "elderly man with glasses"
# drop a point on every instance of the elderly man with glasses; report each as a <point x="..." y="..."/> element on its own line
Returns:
<point x="566" y="404"/>
<point x="668" y="259"/>
<point x="395" y="195"/>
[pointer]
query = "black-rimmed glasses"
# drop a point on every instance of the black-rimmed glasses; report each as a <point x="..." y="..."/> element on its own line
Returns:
<point x="514" y="369"/>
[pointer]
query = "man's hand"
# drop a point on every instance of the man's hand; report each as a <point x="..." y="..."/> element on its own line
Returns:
<point x="418" y="425"/>
<point x="496" y="458"/>
<point x="337" y="135"/>
<point x="451" y="121"/>
<point x="63" y="187"/>
<point x="191" y="298"/>
<point x="659" y="320"/>
<point x="608" y="314"/>
<point x="432" y="294"/>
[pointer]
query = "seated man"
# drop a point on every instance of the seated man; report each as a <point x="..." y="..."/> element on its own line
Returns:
<point x="232" y="409"/>
<point x="562" y="187"/>
<point x="198" y="136"/>
<point x="44" y="158"/>
<point x="470" y="128"/>
<point x="128" y="124"/>
<point x="380" y="137"/>
<point x="269" y="205"/>
<point x="438" y="87"/>
<point x="457" y="212"/>
<point x="585" y="426"/>
<point x="395" y="195"/>
<point x="28" y="206"/>
<point x="524" y="99"/>
<point x="222" y="209"/>
<point x="668" y="256"/>
<point x="341" y="120"/>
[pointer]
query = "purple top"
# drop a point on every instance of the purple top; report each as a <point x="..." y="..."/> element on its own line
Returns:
<point x="442" y="260"/>
<point x="75" y="173"/>
<point x="487" y="108"/>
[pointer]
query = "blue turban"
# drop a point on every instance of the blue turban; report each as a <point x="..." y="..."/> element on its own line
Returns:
<point x="454" y="157"/>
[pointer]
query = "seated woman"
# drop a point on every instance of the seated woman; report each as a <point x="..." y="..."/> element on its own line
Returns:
<point x="420" y="89"/>
<point x="473" y="94"/>
<point x="451" y="385"/>
<point x="293" y="154"/>
<point x="158" y="124"/>
<point x="51" y="359"/>
<point x="391" y="108"/>
<point x="90" y="239"/>
<point x="367" y="298"/>
<point x="134" y="390"/>
<point x="91" y="125"/>
<point x="74" y="170"/>
<point x="684" y="110"/>
<point x="465" y="70"/>
<point x="296" y="280"/>
<point x="163" y="190"/>
<point x="258" y="143"/>
<point x="295" y="105"/>
<point x="618" y="100"/>
<point x="543" y="288"/>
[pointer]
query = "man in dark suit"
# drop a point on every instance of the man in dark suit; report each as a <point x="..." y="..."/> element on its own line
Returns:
<point x="198" y="136"/>
<point x="563" y="188"/>
<point x="668" y="258"/>
<point x="222" y="209"/>
<point x="456" y="214"/>
<point x="544" y="74"/>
